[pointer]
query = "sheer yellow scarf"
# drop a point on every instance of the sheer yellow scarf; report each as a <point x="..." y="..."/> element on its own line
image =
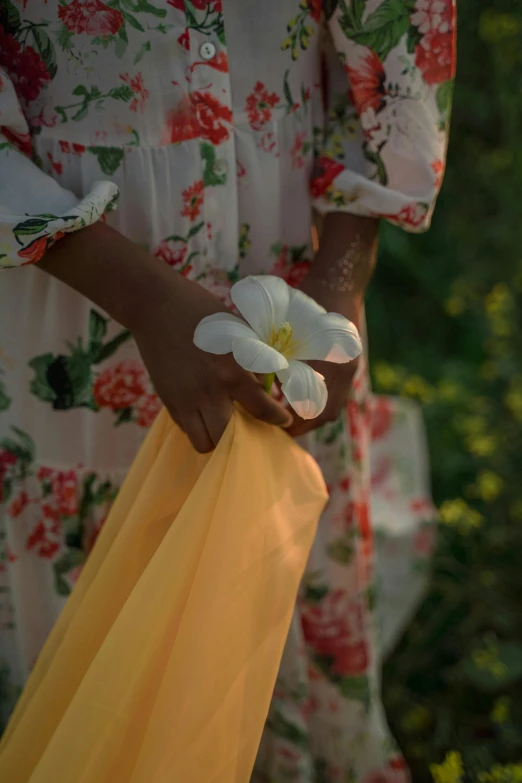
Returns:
<point x="161" y="667"/>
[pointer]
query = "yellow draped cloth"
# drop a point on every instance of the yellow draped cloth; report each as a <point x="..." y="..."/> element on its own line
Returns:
<point x="161" y="667"/>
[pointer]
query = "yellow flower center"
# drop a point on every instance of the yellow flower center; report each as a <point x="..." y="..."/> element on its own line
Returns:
<point x="281" y="339"/>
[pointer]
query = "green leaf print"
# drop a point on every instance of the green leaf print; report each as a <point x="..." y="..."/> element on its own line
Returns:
<point x="9" y="16"/>
<point x="443" y="97"/>
<point x="23" y="448"/>
<point x="383" y="29"/>
<point x="120" y="93"/>
<point x="97" y="329"/>
<point x="145" y="48"/>
<point x="130" y="19"/>
<point x="314" y="594"/>
<point x="64" y="39"/>
<point x="413" y="39"/>
<point x="70" y="378"/>
<point x="374" y="157"/>
<point x="109" y="158"/>
<point x="39" y="385"/>
<point x="5" y="400"/>
<point x="283" y="728"/>
<point x="208" y="153"/>
<point x="341" y="550"/>
<point x="66" y="380"/>
<point x="144" y="7"/>
<point x="45" y="48"/>
<point x="70" y="559"/>
<point x="36" y="224"/>
<point x="356" y="689"/>
<point x="111" y="347"/>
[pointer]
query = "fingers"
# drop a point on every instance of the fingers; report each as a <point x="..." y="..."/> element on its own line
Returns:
<point x="251" y="395"/>
<point x="193" y="425"/>
<point x="216" y="417"/>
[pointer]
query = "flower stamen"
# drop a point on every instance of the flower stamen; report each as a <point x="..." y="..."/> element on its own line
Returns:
<point x="281" y="338"/>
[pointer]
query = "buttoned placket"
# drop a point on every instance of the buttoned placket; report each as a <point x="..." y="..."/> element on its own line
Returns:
<point x="217" y="162"/>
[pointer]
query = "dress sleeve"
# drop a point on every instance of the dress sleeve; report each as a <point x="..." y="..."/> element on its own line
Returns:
<point x="35" y="210"/>
<point x="389" y="67"/>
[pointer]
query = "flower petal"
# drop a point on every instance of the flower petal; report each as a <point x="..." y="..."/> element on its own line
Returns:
<point x="304" y="389"/>
<point x="263" y="302"/>
<point x="255" y="355"/>
<point x="302" y="313"/>
<point x="216" y="333"/>
<point x="330" y="337"/>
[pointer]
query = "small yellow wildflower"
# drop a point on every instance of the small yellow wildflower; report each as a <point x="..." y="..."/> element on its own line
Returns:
<point x="416" y="387"/>
<point x="387" y="377"/>
<point x="509" y="773"/>
<point x="450" y="771"/>
<point x="501" y="711"/>
<point x="455" y="305"/>
<point x="456" y="513"/>
<point x="416" y="719"/>
<point x="514" y="402"/>
<point x="489" y="485"/>
<point x="487" y="660"/>
<point x="482" y="445"/>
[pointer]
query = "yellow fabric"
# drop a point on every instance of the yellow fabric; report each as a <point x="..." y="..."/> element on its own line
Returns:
<point x="162" y="664"/>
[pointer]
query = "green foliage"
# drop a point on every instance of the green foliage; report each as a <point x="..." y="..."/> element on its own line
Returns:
<point x="444" y="316"/>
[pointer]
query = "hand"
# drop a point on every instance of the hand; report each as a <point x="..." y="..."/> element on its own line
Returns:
<point x="327" y="283"/>
<point x="197" y="388"/>
<point x="338" y="377"/>
<point x="162" y="310"/>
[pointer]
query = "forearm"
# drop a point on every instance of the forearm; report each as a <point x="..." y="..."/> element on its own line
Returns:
<point x="110" y="270"/>
<point x="344" y="263"/>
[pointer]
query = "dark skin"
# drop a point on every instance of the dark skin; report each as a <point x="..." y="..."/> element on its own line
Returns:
<point x="162" y="310"/>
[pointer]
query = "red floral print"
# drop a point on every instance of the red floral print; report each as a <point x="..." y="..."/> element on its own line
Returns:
<point x="138" y="88"/>
<point x="25" y="67"/>
<point x="367" y="84"/>
<point x="91" y="17"/>
<point x="18" y="505"/>
<point x="21" y="141"/>
<point x="65" y="492"/>
<point x="44" y="539"/>
<point x="76" y="149"/>
<point x="438" y="169"/>
<point x="259" y="105"/>
<point x="381" y="417"/>
<point x="435" y="53"/>
<point x="173" y="252"/>
<point x="199" y="115"/>
<point x="326" y="170"/>
<point x="56" y="164"/>
<point x="316" y="10"/>
<point x="297" y="272"/>
<point x="192" y="200"/>
<point x="334" y="629"/>
<point x="213" y="117"/>
<point x="184" y="39"/>
<point x="120" y="386"/>
<point x="147" y="408"/>
<point x="298" y="150"/>
<point x="412" y="215"/>
<point x="37" y="249"/>
<point x="7" y="460"/>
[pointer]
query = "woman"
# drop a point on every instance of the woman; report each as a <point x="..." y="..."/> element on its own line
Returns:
<point x="220" y="125"/>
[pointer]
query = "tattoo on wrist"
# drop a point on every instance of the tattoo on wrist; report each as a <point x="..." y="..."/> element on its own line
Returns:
<point x="349" y="273"/>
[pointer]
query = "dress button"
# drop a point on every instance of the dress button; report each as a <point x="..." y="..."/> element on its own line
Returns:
<point x="207" y="50"/>
<point x="219" y="167"/>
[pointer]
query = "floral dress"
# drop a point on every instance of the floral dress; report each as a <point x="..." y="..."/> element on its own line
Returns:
<point x="217" y="128"/>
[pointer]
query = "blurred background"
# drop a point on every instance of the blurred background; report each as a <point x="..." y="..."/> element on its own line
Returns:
<point x="444" y="318"/>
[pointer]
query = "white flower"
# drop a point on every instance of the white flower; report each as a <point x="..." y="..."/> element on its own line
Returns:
<point x="285" y="328"/>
